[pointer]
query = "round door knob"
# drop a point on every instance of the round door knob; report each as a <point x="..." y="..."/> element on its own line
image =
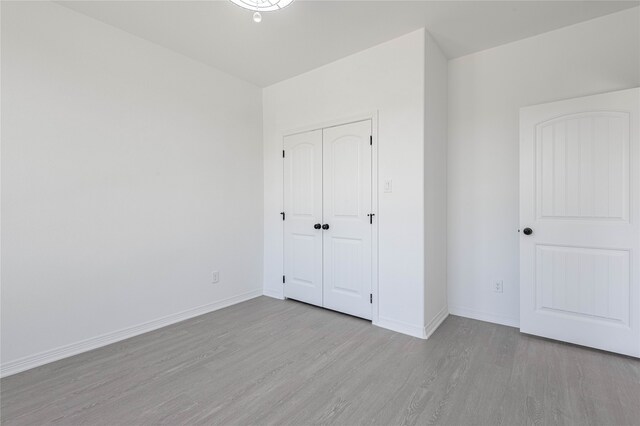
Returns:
<point x="527" y="231"/>
<point x="317" y="226"/>
<point x="325" y="226"/>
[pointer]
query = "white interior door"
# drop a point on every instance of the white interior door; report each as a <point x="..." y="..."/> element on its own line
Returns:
<point x="579" y="191"/>
<point x="346" y="208"/>
<point x="303" y="214"/>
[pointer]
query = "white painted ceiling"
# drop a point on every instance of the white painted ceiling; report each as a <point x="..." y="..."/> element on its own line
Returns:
<point x="309" y="33"/>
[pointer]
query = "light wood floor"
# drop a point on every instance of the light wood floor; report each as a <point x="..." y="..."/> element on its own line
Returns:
<point x="272" y="362"/>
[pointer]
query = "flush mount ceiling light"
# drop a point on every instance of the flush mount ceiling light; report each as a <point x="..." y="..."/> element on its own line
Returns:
<point x="262" y="6"/>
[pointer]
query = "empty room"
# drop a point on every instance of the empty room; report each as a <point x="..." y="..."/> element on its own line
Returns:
<point x="301" y="212"/>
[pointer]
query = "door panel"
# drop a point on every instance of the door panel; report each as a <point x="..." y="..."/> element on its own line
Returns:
<point x="583" y="166"/>
<point x="303" y="209"/>
<point x="346" y="205"/>
<point x="579" y="187"/>
<point x="583" y="282"/>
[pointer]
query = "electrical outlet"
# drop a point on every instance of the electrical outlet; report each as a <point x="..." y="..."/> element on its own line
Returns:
<point x="498" y="286"/>
<point x="215" y="277"/>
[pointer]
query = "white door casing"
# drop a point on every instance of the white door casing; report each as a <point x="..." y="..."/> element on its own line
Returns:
<point x="303" y="210"/>
<point x="347" y="246"/>
<point x="579" y="194"/>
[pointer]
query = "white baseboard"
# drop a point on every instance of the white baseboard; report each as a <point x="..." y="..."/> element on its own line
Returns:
<point x="483" y="316"/>
<point x="271" y="293"/>
<point x="435" y="322"/>
<point x="411" y="329"/>
<point x="400" y="327"/>
<point x="36" y="360"/>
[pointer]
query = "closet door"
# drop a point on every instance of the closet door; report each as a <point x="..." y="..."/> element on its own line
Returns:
<point x="303" y="210"/>
<point x="347" y="229"/>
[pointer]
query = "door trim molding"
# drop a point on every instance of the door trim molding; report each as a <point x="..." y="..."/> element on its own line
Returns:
<point x="340" y="121"/>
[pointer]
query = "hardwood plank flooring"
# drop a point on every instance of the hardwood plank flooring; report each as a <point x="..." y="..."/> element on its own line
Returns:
<point x="268" y="362"/>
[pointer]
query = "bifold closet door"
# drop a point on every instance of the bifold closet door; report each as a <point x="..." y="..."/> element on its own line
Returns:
<point x="346" y="204"/>
<point x="303" y="215"/>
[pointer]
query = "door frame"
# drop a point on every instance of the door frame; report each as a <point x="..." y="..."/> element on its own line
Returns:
<point x="373" y="116"/>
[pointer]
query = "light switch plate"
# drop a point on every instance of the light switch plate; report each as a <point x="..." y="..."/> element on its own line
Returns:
<point x="388" y="185"/>
<point x="215" y="277"/>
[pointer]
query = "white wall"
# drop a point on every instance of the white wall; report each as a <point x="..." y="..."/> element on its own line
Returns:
<point x="435" y="186"/>
<point x="486" y="90"/>
<point x="388" y="78"/>
<point x="129" y="173"/>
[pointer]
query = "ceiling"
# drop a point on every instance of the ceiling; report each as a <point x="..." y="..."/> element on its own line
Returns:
<point x="310" y="33"/>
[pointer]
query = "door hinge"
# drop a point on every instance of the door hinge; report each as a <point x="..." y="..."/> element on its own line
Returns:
<point x="371" y="215"/>
<point x="283" y="153"/>
<point x="283" y="279"/>
<point x="371" y="140"/>
<point x="370" y="297"/>
<point x="283" y="215"/>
